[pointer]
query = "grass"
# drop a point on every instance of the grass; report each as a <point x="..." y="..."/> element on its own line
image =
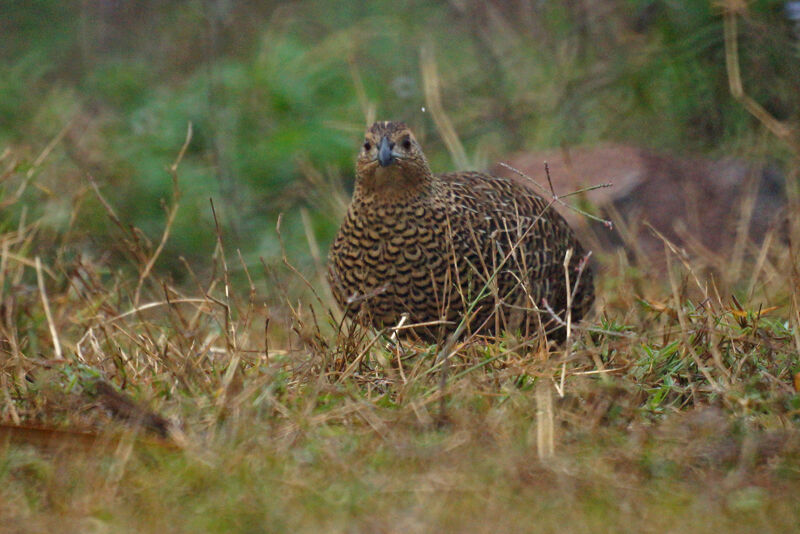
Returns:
<point x="227" y="395"/>
<point x="132" y="403"/>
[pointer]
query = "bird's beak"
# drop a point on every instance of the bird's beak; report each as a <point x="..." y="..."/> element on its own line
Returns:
<point x="385" y="156"/>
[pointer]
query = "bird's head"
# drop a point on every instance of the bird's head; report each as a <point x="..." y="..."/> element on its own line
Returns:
<point x="391" y="160"/>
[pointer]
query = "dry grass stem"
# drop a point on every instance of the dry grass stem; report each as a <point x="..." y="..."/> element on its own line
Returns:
<point x="433" y="102"/>
<point x="48" y="314"/>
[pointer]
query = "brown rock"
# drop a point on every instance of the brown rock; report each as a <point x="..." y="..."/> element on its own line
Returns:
<point x="697" y="203"/>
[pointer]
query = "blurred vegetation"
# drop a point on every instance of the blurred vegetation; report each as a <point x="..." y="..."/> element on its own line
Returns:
<point x="152" y="396"/>
<point x="274" y="90"/>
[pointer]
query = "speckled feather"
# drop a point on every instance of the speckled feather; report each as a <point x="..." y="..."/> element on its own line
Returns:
<point x="434" y="246"/>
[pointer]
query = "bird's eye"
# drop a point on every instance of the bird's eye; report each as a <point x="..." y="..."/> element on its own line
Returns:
<point x="406" y="144"/>
<point x="367" y="146"/>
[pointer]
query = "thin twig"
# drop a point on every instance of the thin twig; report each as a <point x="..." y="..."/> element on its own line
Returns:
<point x="779" y="129"/>
<point x="556" y="198"/>
<point x="173" y="211"/>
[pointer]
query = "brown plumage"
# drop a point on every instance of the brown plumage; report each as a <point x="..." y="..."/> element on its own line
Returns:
<point x="445" y="247"/>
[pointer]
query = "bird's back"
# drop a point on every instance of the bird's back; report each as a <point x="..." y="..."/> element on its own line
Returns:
<point x="524" y="245"/>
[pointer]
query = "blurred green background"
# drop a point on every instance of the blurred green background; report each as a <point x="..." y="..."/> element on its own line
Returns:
<point x="280" y="92"/>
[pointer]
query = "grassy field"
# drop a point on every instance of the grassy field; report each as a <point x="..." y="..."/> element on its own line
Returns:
<point x="156" y="375"/>
<point x="133" y="404"/>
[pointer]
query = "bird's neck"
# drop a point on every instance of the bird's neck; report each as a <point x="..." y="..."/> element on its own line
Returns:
<point x="393" y="188"/>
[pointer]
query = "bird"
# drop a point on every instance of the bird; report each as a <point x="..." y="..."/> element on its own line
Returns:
<point x="448" y="255"/>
